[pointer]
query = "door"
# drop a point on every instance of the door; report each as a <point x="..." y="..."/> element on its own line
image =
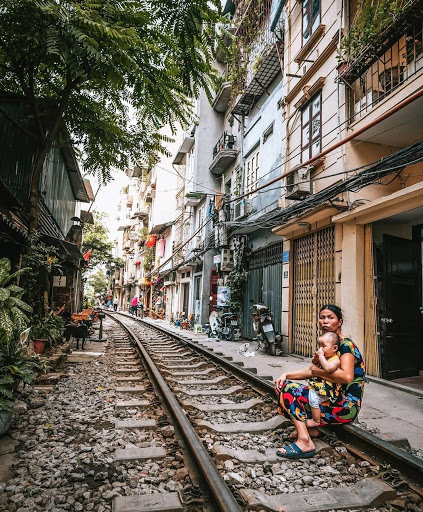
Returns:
<point x="313" y="286"/>
<point x="214" y="276"/>
<point x="400" y="317"/>
<point x="186" y="300"/>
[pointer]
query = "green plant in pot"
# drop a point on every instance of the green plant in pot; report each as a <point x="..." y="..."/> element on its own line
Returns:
<point x="40" y="333"/>
<point x="13" y="310"/>
<point x="17" y="367"/>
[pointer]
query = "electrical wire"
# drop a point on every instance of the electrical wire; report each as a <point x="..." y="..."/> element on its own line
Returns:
<point x="374" y="172"/>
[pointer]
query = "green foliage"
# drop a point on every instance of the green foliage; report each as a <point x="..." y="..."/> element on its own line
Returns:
<point x="371" y="18"/>
<point x="41" y="260"/>
<point x="237" y="278"/>
<point x="46" y="327"/>
<point x="96" y="237"/>
<point x="98" y="282"/>
<point x="148" y="259"/>
<point x="13" y="310"/>
<point x="16" y="366"/>
<point x="92" y="65"/>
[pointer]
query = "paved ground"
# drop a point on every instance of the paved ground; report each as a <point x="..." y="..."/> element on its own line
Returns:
<point x="391" y="408"/>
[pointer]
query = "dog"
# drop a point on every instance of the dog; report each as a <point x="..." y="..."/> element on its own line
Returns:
<point x="80" y="331"/>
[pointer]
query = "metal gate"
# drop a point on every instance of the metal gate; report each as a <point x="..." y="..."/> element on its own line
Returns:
<point x="264" y="284"/>
<point x="314" y="286"/>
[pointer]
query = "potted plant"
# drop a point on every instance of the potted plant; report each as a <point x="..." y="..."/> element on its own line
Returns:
<point x="40" y="333"/>
<point x="13" y="310"/>
<point x="16" y="366"/>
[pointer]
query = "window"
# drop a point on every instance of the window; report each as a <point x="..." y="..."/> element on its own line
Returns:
<point x="311" y="133"/>
<point x="201" y="216"/>
<point x="311" y="18"/>
<point x="268" y="133"/>
<point x="251" y="171"/>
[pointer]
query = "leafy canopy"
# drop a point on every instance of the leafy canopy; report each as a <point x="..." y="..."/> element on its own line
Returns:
<point x="114" y="71"/>
<point x="96" y="237"/>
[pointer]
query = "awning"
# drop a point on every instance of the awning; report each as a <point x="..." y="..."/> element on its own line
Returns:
<point x="68" y="249"/>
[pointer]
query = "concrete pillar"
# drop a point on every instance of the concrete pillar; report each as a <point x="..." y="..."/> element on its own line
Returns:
<point x="352" y="283"/>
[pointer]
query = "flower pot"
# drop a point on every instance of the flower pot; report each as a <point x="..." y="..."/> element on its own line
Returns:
<point x="341" y="66"/>
<point x="5" y="417"/>
<point x="39" y="346"/>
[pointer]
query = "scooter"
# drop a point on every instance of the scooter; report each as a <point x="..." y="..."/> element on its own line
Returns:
<point x="264" y="328"/>
<point x="222" y="323"/>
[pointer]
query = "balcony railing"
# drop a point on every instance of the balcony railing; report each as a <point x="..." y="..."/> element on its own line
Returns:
<point x="261" y="52"/>
<point x="224" y="153"/>
<point x="399" y="62"/>
<point x="226" y="141"/>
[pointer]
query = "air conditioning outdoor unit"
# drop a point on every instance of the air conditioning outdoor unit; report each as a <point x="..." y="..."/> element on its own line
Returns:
<point x="242" y="208"/>
<point x="298" y="184"/>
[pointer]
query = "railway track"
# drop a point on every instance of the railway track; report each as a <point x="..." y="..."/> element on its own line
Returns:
<point x="227" y="427"/>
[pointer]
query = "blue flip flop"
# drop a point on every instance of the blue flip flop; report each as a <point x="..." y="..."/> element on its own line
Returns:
<point x="293" y="451"/>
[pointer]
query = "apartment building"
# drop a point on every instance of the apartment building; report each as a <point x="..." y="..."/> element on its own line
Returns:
<point x="351" y="210"/>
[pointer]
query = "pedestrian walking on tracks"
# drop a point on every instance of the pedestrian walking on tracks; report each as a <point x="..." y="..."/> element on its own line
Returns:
<point x="134" y="306"/>
<point x="294" y="397"/>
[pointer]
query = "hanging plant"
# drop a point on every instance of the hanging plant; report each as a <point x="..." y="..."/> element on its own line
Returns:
<point x="237" y="278"/>
<point x="371" y="18"/>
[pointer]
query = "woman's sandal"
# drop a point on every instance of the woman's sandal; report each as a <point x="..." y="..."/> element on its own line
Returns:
<point x="293" y="451"/>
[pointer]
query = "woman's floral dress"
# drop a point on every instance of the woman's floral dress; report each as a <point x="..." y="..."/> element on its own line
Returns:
<point x="293" y="399"/>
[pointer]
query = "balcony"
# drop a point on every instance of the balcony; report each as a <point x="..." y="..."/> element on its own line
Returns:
<point x="222" y="98"/>
<point x="193" y="198"/>
<point x="399" y="62"/>
<point x="262" y="57"/>
<point x="186" y="146"/>
<point x="137" y="172"/>
<point x="224" y="153"/>
<point x="140" y="213"/>
<point x="224" y="31"/>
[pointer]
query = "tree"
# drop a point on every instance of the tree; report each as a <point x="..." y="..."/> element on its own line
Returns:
<point x="96" y="237"/>
<point x="99" y="282"/>
<point x="82" y="68"/>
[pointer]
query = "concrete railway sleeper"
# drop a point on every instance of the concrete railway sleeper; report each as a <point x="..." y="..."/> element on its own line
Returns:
<point x="233" y="414"/>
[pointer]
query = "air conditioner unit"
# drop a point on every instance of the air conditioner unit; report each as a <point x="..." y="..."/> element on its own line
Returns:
<point x="298" y="184"/>
<point x="242" y="208"/>
<point x="226" y="260"/>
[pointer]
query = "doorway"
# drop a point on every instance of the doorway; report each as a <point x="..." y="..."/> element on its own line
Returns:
<point x="185" y="300"/>
<point x="399" y="274"/>
<point x="313" y="286"/>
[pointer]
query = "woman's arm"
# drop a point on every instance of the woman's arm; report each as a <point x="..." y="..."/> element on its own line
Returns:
<point x="343" y="375"/>
<point x="305" y="373"/>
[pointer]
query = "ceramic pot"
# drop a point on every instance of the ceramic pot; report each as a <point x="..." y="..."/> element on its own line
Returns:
<point x="39" y="345"/>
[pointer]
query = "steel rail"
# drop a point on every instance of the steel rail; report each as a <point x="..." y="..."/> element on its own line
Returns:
<point x="410" y="465"/>
<point x="221" y="492"/>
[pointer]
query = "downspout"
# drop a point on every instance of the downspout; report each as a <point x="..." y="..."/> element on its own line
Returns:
<point x="338" y="89"/>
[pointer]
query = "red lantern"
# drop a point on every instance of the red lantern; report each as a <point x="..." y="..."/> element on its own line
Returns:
<point x="151" y="241"/>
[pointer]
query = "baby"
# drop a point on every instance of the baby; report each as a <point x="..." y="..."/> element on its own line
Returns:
<point x="320" y="390"/>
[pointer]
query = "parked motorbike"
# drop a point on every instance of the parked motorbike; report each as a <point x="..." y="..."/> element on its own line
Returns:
<point x="264" y="328"/>
<point x="223" y="323"/>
